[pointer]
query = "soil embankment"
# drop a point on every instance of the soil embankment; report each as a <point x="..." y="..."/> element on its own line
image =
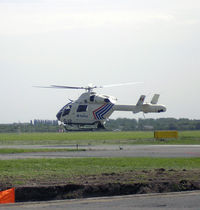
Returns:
<point x="72" y="191"/>
<point x="131" y="182"/>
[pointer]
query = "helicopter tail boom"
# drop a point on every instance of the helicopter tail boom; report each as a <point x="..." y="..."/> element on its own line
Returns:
<point x="152" y="107"/>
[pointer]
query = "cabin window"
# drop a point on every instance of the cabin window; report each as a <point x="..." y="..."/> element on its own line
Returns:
<point x="107" y="100"/>
<point x="92" y="98"/>
<point x="82" y="108"/>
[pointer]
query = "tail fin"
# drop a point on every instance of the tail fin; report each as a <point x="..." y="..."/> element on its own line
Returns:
<point x="141" y="100"/>
<point x="155" y="98"/>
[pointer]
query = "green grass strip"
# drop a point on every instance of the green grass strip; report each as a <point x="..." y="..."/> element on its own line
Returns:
<point x="95" y="138"/>
<point x="75" y="136"/>
<point x="15" y="150"/>
<point x="31" y="168"/>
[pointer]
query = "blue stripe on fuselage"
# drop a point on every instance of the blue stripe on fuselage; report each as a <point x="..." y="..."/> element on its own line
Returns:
<point x="100" y="113"/>
<point x="106" y="110"/>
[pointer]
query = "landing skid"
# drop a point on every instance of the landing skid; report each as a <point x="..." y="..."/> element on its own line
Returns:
<point x="98" y="127"/>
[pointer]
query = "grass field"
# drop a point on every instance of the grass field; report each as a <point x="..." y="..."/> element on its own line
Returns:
<point x="95" y="138"/>
<point x="21" y="172"/>
<point x="16" y="150"/>
<point x="59" y="171"/>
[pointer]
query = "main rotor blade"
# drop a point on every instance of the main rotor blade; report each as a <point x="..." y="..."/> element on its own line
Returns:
<point x="122" y="84"/>
<point x="61" y="87"/>
<point x="89" y="87"/>
<point x="66" y="87"/>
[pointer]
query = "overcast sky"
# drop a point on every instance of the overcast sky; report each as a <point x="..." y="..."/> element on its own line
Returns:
<point x="77" y="42"/>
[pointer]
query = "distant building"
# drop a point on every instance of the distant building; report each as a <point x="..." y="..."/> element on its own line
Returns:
<point x="148" y="127"/>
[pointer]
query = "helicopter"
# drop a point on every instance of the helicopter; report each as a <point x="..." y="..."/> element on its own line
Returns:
<point x="91" y="110"/>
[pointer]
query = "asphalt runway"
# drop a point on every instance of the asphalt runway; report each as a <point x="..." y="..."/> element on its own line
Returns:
<point x="108" y="151"/>
<point x="165" y="201"/>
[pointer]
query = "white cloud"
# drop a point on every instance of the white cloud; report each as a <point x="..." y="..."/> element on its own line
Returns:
<point x="36" y="18"/>
<point x="21" y="21"/>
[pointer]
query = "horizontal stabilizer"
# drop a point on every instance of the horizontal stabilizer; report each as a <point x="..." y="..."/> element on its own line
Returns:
<point x="155" y="98"/>
<point x="141" y="100"/>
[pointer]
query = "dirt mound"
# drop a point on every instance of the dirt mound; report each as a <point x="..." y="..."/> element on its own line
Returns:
<point x="82" y="191"/>
<point x="106" y="184"/>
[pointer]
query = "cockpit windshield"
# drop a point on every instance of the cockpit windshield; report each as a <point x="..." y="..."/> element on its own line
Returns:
<point x="64" y="111"/>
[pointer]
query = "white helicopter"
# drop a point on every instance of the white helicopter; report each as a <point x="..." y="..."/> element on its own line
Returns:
<point x="91" y="110"/>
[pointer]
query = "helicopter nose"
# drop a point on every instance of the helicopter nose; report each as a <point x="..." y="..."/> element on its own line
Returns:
<point x="59" y="115"/>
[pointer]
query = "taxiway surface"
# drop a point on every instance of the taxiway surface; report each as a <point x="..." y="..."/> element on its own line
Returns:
<point x="165" y="201"/>
<point x="108" y="151"/>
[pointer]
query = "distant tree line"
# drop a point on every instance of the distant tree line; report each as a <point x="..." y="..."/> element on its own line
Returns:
<point x="33" y="126"/>
<point x="122" y="124"/>
<point x="153" y="124"/>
